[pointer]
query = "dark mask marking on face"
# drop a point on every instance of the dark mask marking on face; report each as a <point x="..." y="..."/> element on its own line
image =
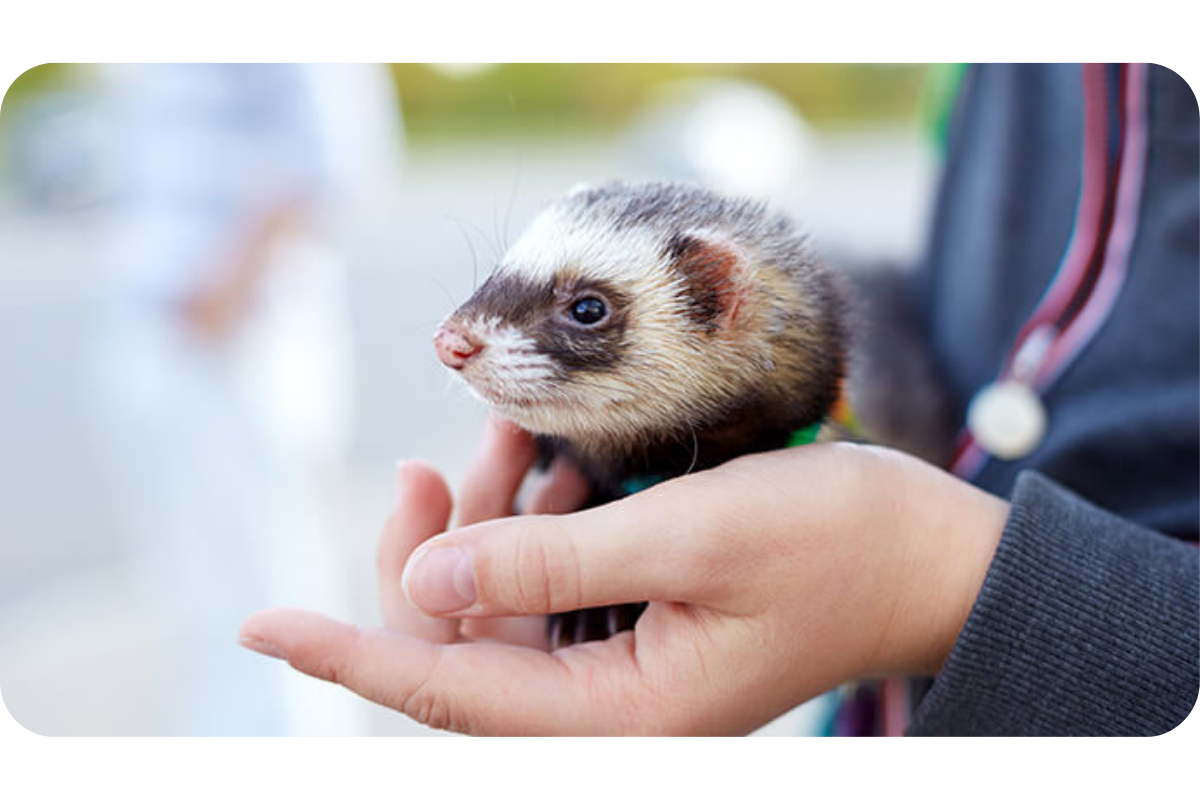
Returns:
<point x="539" y="310"/>
<point x="592" y="347"/>
<point x="514" y="299"/>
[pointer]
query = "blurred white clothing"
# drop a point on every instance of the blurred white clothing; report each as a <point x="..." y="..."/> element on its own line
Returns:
<point x="220" y="453"/>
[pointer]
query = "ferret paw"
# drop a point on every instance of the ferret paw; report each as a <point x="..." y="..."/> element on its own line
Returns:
<point x="591" y="624"/>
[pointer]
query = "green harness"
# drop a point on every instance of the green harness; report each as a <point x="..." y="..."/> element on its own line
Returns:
<point x="803" y="436"/>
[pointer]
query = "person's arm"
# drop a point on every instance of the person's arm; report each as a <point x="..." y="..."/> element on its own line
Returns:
<point x="213" y="309"/>
<point x="1086" y="624"/>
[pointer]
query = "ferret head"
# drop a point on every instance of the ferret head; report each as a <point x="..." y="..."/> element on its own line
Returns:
<point x="627" y="312"/>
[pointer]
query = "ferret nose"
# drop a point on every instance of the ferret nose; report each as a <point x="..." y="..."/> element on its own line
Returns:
<point x="454" y="347"/>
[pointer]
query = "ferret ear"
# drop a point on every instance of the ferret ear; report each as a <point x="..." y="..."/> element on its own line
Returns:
<point x="715" y="275"/>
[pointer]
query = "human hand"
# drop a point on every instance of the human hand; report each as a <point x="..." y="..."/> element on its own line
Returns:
<point x="771" y="579"/>
<point x="211" y="313"/>
<point x="214" y="309"/>
<point x="489" y="491"/>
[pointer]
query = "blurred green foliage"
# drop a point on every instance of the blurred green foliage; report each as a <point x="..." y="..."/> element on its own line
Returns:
<point x="38" y="80"/>
<point x="561" y="98"/>
<point x="551" y="99"/>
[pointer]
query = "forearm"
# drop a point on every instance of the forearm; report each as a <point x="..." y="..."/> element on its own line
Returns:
<point x="1086" y="624"/>
<point x="241" y="268"/>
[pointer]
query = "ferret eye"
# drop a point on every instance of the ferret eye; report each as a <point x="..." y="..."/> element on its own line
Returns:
<point x="588" y="311"/>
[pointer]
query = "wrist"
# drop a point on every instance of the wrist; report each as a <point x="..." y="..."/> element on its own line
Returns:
<point x="965" y="532"/>
<point x="948" y="531"/>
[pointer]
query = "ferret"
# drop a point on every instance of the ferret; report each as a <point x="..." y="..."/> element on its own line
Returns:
<point x="647" y="330"/>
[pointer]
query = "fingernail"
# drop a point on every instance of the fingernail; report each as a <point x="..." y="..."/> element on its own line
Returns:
<point x="440" y="581"/>
<point x="261" y="646"/>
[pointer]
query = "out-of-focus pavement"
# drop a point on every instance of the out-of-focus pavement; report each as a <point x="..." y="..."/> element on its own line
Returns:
<point x="77" y="654"/>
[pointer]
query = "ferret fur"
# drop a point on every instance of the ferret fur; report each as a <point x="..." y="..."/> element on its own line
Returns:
<point x="724" y="336"/>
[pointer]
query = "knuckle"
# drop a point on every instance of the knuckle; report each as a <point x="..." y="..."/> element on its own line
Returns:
<point x="431" y="702"/>
<point x="429" y="708"/>
<point x="544" y="572"/>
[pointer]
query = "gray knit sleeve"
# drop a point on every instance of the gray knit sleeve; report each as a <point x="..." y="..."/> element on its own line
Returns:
<point x="1087" y="624"/>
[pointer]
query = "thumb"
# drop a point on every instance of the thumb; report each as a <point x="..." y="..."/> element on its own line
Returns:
<point x="657" y="545"/>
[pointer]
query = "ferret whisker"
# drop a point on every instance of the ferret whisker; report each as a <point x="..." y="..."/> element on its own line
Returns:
<point x="496" y="227"/>
<point x="512" y="197"/>
<point x="445" y="291"/>
<point x="418" y="327"/>
<point x="695" y="450"/>
<point x="463" y="224"/>
<point x="474" y="258"/>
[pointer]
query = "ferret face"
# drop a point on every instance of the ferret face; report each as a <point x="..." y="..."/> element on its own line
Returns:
<point x="616" y="316"/>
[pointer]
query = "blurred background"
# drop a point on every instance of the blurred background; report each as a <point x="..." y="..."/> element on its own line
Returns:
<point x="218" y="286"/>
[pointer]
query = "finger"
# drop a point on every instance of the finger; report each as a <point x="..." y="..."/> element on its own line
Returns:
<point x="471" y="688"/>
<point x="524" y="631"/>
<point x="422" y="510"/>
<point x="495" y="474"/>
<point x="561" y="490"/>
<point x="656" y="545"/>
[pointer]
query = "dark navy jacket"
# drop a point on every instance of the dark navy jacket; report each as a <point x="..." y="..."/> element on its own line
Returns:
<point x="1088" y="619"/>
